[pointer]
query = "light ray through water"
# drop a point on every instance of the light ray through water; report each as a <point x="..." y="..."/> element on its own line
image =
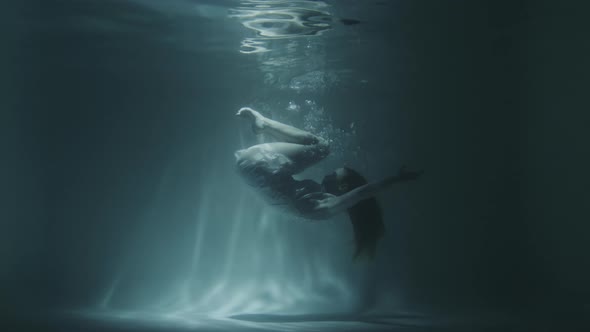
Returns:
<point x="245" y="258"/>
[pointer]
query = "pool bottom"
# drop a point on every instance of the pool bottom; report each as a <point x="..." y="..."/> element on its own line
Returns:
<point x="119" y="321"/>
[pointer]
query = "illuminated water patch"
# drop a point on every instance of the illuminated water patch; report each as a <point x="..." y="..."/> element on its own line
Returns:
<point x="245" y="259"/>
<point x="156" y="321"/>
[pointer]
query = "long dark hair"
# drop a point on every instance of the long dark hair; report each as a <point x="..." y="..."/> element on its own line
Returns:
<point x="365" y="216"/>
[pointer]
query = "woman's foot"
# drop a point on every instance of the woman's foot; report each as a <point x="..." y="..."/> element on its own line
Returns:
<point x="252" y="115"/>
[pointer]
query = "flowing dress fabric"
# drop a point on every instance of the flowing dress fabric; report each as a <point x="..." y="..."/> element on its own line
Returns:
<point x="269" y="173"/>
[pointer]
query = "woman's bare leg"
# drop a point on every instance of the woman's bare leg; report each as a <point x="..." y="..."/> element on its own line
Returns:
<point x="301" y="147"/>
<point x="280" y="131"/>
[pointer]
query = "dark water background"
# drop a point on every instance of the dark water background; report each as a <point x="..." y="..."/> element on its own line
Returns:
<point x="118" y="127"/>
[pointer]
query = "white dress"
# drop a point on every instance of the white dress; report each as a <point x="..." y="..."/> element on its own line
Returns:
<point x="269" y="173"/>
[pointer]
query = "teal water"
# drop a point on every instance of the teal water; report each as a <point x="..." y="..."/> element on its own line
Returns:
<point x="123" y="210"/>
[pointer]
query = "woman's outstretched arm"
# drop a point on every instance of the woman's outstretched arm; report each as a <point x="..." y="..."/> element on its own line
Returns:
<point x="334" y="204"/>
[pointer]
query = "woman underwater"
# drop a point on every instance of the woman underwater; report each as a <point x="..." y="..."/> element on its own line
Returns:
<point x="269" y="168"/>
